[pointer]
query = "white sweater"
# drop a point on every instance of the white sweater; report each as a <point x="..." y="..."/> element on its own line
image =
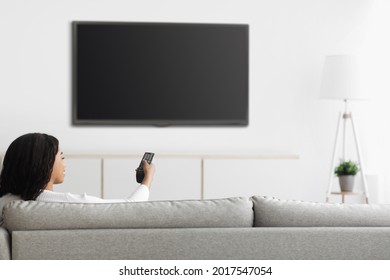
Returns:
<point x="140" y="194"/>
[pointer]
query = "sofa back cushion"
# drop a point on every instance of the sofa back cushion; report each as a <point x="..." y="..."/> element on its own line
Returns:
<point x="272" y="212"/>
<point x="5" y="244"/>
<point x="32" y="215"/>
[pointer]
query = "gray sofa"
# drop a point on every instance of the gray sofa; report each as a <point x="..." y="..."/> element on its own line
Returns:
<point x="232" y="228"/>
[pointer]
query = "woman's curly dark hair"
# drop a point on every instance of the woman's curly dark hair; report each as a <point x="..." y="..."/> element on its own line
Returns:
<point x="27" y="165"/>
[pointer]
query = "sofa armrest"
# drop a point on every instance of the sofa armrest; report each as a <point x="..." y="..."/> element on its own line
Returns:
<point x="5" y="246"/>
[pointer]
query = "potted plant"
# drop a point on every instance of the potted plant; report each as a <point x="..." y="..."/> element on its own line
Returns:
<point x="346" y="172"/>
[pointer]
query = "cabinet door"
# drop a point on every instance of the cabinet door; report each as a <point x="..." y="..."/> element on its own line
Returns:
<point x="247" y="177"/>
<point x="82" y="176"/>
<point x="175" y="178"/>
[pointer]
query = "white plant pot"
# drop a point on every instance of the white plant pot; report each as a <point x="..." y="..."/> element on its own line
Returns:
<point x="346" y="183"/>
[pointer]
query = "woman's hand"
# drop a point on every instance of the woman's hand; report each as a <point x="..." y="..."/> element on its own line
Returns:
<point x="149" y="173"/>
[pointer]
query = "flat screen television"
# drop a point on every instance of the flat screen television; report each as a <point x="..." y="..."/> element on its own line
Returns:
<point x="133" y="73"/>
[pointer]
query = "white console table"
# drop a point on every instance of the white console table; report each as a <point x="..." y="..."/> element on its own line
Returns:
<point x="183" y="176"/>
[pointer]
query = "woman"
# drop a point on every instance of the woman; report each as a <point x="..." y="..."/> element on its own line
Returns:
<point x="34" y="162"/>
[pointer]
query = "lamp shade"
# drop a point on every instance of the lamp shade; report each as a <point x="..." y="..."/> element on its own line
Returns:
<point x="340" y="78"/>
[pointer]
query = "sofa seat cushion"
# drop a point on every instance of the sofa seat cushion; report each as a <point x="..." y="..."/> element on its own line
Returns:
<point x="272" y="212"/>
<point x="35" y="215"/>
<point x="322" y="243"/>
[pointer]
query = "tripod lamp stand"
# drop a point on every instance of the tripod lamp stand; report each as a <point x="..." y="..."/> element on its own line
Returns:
<point x="341" y="81"/>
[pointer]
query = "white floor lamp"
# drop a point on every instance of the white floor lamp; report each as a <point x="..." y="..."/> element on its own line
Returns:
<point x="341" y="81"/>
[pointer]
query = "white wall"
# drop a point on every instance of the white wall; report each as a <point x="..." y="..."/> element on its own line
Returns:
<point x="288" y="42"/>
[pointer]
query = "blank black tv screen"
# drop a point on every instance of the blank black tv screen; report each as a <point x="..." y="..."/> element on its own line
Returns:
<point x="160" y="73"/>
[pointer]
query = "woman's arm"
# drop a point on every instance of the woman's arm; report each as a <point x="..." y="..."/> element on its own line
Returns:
<point x="140" y="194"/>
<point x="149" y="173"/>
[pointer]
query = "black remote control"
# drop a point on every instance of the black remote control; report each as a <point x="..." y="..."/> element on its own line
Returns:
<point x="140" y="170"/>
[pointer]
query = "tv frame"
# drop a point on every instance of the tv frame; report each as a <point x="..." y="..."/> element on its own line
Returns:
<point x="159" y="122"/>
